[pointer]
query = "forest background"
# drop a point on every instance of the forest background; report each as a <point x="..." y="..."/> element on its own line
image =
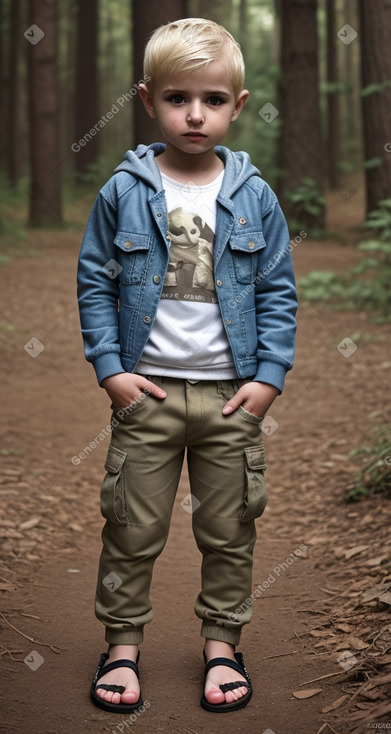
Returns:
<point x="318" y="118"/>
<point x="318" y="126"/>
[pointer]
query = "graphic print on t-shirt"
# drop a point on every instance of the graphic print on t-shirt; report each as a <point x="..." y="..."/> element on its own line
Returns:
<point x="189" y="274"/>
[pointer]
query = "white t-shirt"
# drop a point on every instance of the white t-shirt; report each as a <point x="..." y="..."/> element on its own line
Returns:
<point x="188" y="339"/>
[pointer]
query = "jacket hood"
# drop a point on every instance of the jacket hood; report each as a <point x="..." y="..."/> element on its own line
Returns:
<point x="142" y="164"/>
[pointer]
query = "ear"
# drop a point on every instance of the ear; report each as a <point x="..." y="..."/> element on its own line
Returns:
<point x="147" y="99"/>
<point x="241" y="100"/>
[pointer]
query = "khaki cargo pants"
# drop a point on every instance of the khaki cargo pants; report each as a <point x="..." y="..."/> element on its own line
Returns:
<point x="226" y="464"/>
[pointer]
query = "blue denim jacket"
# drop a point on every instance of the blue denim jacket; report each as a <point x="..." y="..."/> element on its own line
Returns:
<point x="125" y="253"/>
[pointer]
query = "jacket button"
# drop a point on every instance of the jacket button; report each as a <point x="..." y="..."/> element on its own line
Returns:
<point x="218" y="282"/>
<point x="156" y="279"/>
<point x="168" y="237"/>
<point x="128" y="245"/>
<point x="147" y="319"/>
<point x="251" y="245"/>
<point x="228" y="321"/>
<point x="242" y="220"/>
<point x="159" y="214"/>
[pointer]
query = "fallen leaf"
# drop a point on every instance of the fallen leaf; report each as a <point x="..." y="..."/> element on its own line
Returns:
<point x="382" y="592"/>
<point x="355" y="551"/>
<point x="336" y="704"/>
<point x="28" y="524"/>
<point x="321" y="633"/>
<point x="75" y="527"/>
<point x="345" y="627"/>
<point x="308" y="693"/>
<point x="355" y="643"/>
<point x="7" y="586"/>
<point x="377" y="561"/>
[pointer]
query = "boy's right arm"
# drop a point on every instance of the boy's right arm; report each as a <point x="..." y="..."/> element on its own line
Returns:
<point x="98" y="294"/>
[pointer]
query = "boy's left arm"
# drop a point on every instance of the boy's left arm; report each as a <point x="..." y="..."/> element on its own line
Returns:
<point x="276" y="305"/>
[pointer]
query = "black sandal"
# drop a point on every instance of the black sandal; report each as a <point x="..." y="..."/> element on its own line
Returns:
<point x="102" y="669"/>
<point x="237" y="665"/>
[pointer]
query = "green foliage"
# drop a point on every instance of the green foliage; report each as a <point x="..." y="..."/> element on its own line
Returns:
<point x="308" y="203"/>
<point x="335" y="87"/>
<point x="372" y="163"/>
<point x="12" y="229"/>
<point x="368" y="284"/>
<point x="375" y="475"/>
<point x="375" y="87"/>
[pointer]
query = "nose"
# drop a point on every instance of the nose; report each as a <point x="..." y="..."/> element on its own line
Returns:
<point x="195" y="114"/>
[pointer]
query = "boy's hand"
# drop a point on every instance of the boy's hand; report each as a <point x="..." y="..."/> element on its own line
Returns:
<point x="256" y="397"/>
<point x="126" y="388"/>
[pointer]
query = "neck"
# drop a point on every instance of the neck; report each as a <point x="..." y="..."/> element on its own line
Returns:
<point x="199" y="168"/>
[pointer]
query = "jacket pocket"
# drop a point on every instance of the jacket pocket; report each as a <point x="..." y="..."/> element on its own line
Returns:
<point x="112" y="495"/>
<point x="255" y="490"/>
<point x="245" y="249"/>
<point x="133" y="251"/>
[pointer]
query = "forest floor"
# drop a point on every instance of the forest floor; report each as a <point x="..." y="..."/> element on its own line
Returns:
<point x="319" y="646"/>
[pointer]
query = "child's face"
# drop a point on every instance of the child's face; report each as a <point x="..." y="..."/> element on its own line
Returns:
<point x="194" y="109"/>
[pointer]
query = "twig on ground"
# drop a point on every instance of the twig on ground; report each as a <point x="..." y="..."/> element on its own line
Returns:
<point x="53" y="648"/>
<point x="280" y="655"/>
<point x="322" y="677"/>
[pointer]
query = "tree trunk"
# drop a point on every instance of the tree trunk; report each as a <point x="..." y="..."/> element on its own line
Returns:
<point x="45" y="188"/>
<point x="4" y="81"/>
<point x="145" y="128"/>
<point x="300" y="147"/>
<point x="376" y="105"/>
<point x="243" y="26"/>
<point x="68" y="90"/>
<point x="333" y="126"/>
<point x="14" y="94"/>
<point x="87" y="85"/>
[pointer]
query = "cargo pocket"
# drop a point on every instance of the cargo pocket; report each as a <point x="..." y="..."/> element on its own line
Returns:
<point x="112" y="495"/>
<point x="255" y="490"/>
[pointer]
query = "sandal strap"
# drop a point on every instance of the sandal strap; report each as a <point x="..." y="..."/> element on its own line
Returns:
<point x="232" y="686"/>
<point x="117" y="664"/>
<point x="227" y="662"/>
<point x="114" y="689"/>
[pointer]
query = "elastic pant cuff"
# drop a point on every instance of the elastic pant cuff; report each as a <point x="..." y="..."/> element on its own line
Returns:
<point x="128" y="637"/>
<point x="222" y="634"/>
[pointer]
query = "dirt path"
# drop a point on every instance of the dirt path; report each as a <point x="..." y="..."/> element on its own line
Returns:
<point x="50" y="525"/>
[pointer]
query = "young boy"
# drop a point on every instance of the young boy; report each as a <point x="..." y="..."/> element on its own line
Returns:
<point x="187" y="304"/>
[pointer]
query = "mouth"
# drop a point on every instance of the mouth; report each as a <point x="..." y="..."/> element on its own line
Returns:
<point x="195" y="135"/>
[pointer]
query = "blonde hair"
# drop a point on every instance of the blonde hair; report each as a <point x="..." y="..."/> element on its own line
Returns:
<point x="188" y="44"/>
